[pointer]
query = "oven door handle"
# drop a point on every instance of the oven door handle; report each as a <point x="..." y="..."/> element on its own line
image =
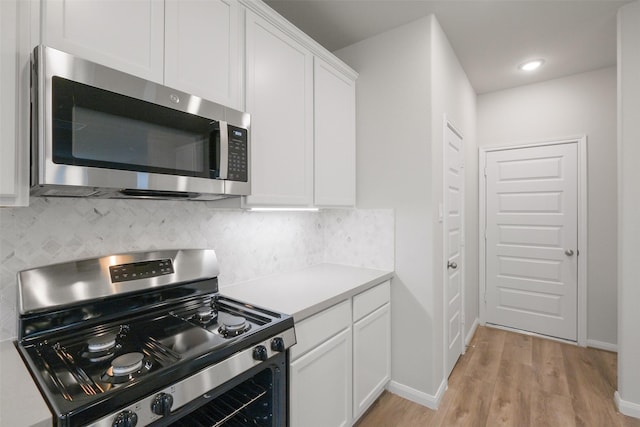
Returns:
<point x="224" y="150"/>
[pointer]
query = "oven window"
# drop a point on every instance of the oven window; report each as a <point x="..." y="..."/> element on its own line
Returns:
<point x="97" y="128"/>
<point x="251" y="403"/>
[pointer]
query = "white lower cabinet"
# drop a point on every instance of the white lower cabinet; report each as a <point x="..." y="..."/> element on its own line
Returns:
<point x="321" y="386"/>
<point x="320" y="370"/>
<point x="371" y="345"/>
<point x="371" y="358"/>
<point x="342" y="360"/>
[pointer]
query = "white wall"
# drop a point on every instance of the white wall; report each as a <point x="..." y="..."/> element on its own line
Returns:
<point x="393" y="128"/>
<point x="408" y="78"/>
<point x="454" y="97"/>
<point x="628" y="395"/>
<point x="571" y="106"/>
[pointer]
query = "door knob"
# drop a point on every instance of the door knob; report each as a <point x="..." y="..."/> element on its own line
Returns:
<point x="568" y="252"/>
<point x="452" y="265"/>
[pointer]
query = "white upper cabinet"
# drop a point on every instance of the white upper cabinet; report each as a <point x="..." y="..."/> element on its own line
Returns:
<point x="14" y="103"/>
<point x="335" y="136"/>
<point x="279" y="97"/>
<point x="202" y="50"/>
<point x="127" y="35"/>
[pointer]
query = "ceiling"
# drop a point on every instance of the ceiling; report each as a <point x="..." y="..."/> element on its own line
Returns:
<point x="491" y="38"/>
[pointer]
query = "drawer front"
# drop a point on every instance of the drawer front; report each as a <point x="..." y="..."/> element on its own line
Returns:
<point x="318" y="328"/>
<point x="368" y="301"/>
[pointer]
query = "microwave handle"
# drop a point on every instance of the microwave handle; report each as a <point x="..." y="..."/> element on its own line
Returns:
<point x="224" y="150"/>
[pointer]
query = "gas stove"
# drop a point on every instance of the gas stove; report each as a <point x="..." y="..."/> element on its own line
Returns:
<point x="146" y="339"/>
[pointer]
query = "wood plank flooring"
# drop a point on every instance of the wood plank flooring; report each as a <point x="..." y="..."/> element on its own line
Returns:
<point x="511" y="379"/>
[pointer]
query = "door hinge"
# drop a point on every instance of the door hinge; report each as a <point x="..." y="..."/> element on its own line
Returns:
<point x="485" y="171"/>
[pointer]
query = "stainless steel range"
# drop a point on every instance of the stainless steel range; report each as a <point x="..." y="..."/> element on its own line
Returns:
<point x="145" y="338"/>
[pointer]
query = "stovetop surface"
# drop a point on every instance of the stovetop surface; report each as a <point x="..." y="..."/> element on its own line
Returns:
<point x="172" y="345"/>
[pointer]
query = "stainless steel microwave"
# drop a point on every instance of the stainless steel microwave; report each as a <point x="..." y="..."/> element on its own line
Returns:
<point x="98" y="132"/>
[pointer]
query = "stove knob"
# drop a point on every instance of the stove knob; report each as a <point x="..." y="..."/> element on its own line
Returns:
<point x="161" y="404"/>
<point x="277" y="344"/>
<point x="125" y="419"/>
<point x="260" y="353"/>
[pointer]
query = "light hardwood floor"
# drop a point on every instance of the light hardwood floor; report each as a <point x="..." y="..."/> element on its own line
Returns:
<point x="510" y="379"/>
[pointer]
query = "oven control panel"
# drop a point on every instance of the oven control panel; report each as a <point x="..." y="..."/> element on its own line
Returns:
<point x="140" y="270"/>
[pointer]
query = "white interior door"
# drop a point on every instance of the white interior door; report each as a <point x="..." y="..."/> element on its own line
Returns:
<point x="532" y="239"/>
<point x="453" y="224"/>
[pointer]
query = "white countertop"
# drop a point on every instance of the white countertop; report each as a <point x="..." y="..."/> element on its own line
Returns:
<point x="21" y="403"/>
<point x="306" y="292"/>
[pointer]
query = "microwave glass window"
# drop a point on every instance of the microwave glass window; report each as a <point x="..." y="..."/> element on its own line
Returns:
<point x="97" y="128"/>
<point x="100" y="136"/>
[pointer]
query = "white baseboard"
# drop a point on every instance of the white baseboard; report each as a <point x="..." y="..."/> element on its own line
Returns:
<point x="417" y="396"/>
<point x="602" y="345"/>
<point x="472" y="332"/>
<point x="628" y="408"/>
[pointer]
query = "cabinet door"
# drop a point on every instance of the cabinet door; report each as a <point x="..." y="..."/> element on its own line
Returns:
<point x="14" y="103"/>
<point x="279" y="91"/>
<point x="127" y="35"/>
<point x="371" y="358"/>
<point x="202" y="49"/>
<point x="335" y="137"/>
<point x="320" y="392"/>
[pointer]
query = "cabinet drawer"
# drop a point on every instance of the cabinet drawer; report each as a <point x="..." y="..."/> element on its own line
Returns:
<point x="370" y="300"/>
<point x="316" y="329"/>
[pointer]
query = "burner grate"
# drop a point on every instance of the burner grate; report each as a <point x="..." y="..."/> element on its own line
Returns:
<point x="88" y="386"/>
<point x="160" y="352"/>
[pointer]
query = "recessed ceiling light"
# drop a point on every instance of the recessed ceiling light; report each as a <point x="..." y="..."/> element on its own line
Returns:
<point x="531" y="65"/>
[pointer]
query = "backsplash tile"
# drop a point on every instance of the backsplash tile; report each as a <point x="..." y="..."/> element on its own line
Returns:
<point x="362" y="238"/>
<point x="248" y="244"/>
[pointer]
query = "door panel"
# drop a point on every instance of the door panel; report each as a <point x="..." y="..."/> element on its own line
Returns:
<point x="322" y="379"/>
<point x="453" y="176"/>
<point x="532" y="214"/>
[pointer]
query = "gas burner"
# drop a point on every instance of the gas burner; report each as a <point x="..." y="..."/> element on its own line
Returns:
<point x="205" y="315"/>
<point x="232" y="326"/>
<point x="126" y="367"/>
<point x="100" y="348"/>
<point x="127" y="363"/>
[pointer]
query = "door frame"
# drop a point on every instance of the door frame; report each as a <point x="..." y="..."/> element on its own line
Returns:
<point x="448" y="123"/>
<point x="581" y="142"/>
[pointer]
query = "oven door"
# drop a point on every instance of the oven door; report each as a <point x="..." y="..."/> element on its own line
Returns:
<point x="257" y="397"/>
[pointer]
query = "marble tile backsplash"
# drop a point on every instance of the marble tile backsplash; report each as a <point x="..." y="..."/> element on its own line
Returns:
<point x="362" y="238"/>
<point x="248" y="244"/>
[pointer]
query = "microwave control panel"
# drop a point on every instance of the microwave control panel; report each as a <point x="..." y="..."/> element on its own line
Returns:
<point x="238" y="154"/>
